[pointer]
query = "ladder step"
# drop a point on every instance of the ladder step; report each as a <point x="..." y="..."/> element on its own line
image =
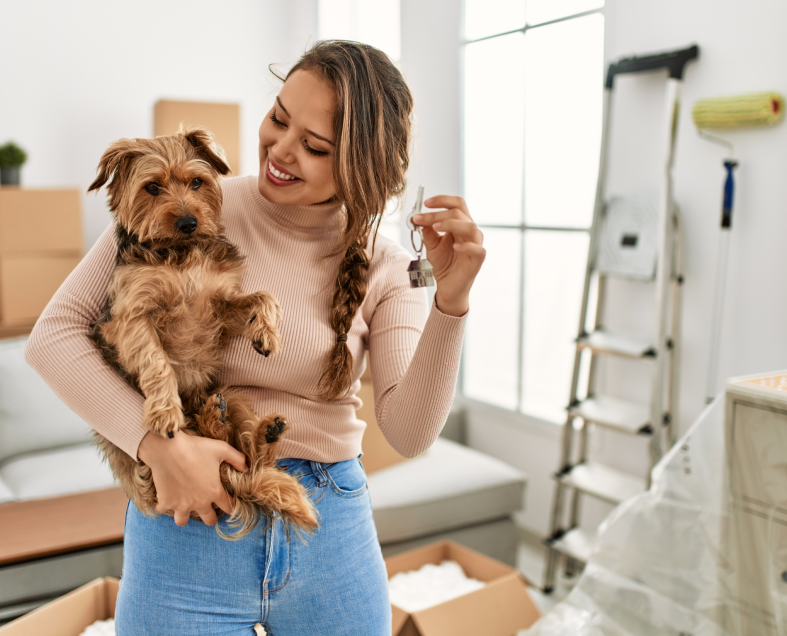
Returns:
<point x="603" y="482"/>
<point x="574" y="543"/>
<point x="630" y="346"/>
<point x="623" y="416"/>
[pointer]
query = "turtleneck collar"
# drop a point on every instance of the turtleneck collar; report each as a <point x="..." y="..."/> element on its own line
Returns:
<point x="320" y="218"/>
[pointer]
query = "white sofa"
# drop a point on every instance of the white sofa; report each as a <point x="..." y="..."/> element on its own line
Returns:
<point x="450" y="491"/>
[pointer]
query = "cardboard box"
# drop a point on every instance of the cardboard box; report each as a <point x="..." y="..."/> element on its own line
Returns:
<point x="501" y="608"/>
<point x="223" y="120"/>
<point x="70" y="614"/>
<point x="27" y="284"/>
<point x="34" y="221"/>
<point x="377" y="452"/>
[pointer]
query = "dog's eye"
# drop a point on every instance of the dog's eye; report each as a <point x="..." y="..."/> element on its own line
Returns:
<point x="153" y="188"/>
<point x="196" y="183"/>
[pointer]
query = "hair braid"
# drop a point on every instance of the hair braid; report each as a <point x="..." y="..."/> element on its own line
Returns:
<point x="347" y="298"/>
<point x="371" y="125"/>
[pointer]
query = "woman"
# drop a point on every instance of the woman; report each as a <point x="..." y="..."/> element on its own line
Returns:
<point x="333" y="150"/>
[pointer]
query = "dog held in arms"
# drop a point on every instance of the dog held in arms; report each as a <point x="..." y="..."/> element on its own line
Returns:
<point x="174" y="301"/>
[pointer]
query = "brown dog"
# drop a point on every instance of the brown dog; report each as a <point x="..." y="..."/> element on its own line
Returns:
<point x="174" y="301"/>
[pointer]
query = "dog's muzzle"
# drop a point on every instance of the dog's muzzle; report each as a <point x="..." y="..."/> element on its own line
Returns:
<point x="186" y="224"/>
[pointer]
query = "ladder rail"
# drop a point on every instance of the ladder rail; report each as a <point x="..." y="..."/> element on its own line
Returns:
<point x="667" y="328"/>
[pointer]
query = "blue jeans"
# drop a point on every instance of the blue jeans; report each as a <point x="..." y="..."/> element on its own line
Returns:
<point x="182" y="581"/>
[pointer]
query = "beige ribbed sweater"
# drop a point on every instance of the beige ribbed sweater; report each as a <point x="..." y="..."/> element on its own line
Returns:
<point x="414" y="365"/>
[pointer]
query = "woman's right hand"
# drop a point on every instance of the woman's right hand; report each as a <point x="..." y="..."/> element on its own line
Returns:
<point x="186" y="474"/>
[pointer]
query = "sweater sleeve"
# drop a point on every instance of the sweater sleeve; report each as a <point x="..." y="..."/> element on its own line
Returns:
<point x="62" y="354"/>
<point x="414" y="365"/>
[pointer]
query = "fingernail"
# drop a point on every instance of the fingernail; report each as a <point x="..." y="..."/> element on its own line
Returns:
<point x="418" y="218"/>
<point x="437" y="226"/>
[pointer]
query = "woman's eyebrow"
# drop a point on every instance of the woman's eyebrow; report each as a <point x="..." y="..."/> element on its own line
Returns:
<point x="311" y="132"/>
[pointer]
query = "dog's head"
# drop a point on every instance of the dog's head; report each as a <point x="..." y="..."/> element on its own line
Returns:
<point x="166" y="189"/>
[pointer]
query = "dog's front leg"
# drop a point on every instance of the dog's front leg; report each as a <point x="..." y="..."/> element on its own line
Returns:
<point x="256" y="316"/>
<point x="140" y="353"/>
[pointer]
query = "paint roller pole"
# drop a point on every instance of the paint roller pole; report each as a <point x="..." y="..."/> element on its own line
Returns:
<point x="721" y="279"/>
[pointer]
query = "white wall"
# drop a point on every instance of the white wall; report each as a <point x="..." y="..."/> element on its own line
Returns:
<point x="742" y="49"/>
<point x="78" y="75"/>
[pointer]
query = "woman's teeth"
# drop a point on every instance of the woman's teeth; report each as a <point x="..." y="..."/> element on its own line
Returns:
<point x="280" y="175"/>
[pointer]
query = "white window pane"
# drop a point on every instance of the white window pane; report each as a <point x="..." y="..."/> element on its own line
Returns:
<point x="492" y="330"/>
<point x="488" y="17"/>
<point x="554" y="274"/>
<point x="375" y="22"/>
<point x="564" y="68"/>
<point x="493" y="129"/>
<point x="545" y="10"/>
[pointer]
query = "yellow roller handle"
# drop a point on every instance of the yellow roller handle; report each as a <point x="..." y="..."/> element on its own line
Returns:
<point x="739" y="111"/>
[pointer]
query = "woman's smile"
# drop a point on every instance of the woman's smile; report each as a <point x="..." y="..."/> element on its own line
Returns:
<point x="279" y="176"/>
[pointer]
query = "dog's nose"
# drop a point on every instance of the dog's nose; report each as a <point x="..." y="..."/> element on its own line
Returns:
<point x="186" y="224"/>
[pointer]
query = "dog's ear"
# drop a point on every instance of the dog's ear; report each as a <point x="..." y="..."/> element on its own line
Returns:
<point x="207" y="148"/>
<point x="114" y="160"/>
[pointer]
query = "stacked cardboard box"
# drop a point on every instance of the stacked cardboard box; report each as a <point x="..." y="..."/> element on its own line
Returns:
<point x="223" y="120"/>
<point x="40" y="243"/>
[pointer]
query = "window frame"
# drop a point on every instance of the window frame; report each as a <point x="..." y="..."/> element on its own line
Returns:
<point x="522" y="227"/>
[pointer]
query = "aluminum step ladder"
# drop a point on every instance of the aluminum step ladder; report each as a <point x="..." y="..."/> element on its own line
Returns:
<point x="636" y="237"/>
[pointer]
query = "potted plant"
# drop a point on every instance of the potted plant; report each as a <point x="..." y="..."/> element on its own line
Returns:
<point x="11" y="159"/>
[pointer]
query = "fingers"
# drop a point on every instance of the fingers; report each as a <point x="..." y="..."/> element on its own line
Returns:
<point x="462" y="230"/>
<point x="224" y="501"/>
<point x="471" y="249"/>
<point x="446" y="201"/>
<point x="234" y="458"/>
<point x="181" y="518"/>
<point x="208" y="516"/>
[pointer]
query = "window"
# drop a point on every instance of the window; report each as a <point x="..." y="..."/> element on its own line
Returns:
<point x="533" y="88"/>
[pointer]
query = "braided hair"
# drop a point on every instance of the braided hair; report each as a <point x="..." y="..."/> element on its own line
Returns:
<point x="371" y="125"/>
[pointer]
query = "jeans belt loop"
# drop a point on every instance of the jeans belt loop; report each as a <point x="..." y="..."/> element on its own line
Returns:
<point x="319" y="473"/>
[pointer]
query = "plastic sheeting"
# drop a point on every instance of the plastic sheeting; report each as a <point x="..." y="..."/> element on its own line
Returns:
<point x="665" y="562"/>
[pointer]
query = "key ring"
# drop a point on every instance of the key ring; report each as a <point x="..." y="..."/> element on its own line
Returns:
<point x="417" y="250"/>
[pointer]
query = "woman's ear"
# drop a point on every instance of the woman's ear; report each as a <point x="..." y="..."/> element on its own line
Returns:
<point x="203" y="142"/>
<point x="114" y="161"/>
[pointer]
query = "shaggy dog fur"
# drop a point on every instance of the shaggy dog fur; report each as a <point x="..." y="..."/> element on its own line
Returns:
<point x="174" y="301"/>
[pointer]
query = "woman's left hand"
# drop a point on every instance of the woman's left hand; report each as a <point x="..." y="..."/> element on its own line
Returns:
<point x="456" y="254"/>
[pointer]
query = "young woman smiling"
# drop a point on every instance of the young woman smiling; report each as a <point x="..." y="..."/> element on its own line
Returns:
<point x="333" y="150"/>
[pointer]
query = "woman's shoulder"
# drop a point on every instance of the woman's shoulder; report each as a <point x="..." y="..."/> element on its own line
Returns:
<point x="385" y="253"/>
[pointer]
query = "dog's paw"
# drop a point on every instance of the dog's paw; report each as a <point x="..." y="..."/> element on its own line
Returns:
<point x="264" y="336"/>
<point x="165" y="422"/>
<point x="274" y="429"/>
<point x="262" y="328"/>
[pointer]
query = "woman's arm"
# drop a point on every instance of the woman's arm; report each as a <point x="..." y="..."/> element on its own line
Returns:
<point x="414" y="365"/>
<point x="61" y="352"/>
<point x="185" y="468"/>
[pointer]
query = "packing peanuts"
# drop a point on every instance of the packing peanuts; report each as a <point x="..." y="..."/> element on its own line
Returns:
<point x="500" y="608"/>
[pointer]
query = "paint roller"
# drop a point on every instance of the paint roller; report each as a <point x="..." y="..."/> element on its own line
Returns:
<point x="727" y="113"/>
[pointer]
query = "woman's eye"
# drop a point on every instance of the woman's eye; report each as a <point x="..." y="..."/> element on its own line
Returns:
<point x="314" y="151"/>
<point x="196" y="183"/>
<point x="153" y="188"/>
<point x="275" y="121"/>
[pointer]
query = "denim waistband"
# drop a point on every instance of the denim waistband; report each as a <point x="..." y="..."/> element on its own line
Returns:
<point x="318" y="469"/>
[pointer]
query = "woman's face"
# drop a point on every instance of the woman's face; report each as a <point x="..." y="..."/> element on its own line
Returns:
<point x="296" y="143"/>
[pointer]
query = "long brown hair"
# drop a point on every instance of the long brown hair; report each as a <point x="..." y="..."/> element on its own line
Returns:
<point x="371" y="126"/>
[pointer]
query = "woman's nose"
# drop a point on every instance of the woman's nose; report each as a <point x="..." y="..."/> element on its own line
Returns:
<point x="284" y="148"/>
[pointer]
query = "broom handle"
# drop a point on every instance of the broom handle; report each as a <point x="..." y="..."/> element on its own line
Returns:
<point x="721" y="280"/>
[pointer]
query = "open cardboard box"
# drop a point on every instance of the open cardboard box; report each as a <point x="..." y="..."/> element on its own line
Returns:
<point x="69" y="615"/>
<point x="501" y="608"/>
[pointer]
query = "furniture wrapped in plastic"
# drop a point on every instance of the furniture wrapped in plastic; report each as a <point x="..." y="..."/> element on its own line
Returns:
<point x="675" y="559"/>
